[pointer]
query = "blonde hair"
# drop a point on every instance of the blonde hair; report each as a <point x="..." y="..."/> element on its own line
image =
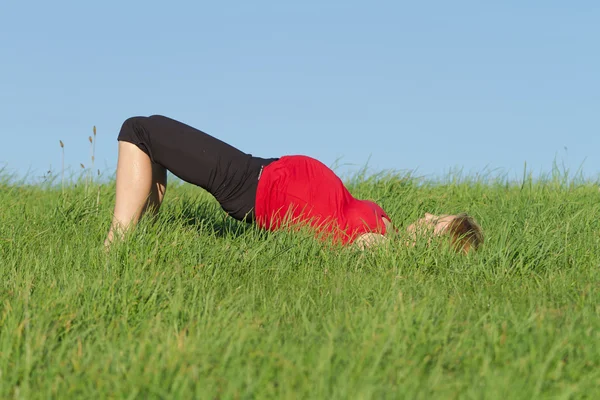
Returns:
<point x="465" y="234"/>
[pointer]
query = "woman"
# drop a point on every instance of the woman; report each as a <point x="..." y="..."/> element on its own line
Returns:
<point x="272" y="192"/>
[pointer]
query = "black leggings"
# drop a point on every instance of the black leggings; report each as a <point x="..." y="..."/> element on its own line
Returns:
<point x="230" y="175"/>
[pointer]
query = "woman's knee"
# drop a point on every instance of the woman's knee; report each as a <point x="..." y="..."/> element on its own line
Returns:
<point x="131" y="124"/>
<point x="132" y="130"/>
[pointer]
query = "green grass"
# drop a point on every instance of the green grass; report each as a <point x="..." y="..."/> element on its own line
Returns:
<point x="193" y="304"/>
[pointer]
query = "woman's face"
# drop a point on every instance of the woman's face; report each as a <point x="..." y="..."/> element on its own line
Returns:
<point x="431" y="223"/>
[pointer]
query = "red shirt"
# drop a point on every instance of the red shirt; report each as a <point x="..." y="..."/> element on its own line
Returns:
<point x="300" y="189"/>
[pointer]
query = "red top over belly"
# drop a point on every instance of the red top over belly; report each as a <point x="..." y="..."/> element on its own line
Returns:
<point x="300" y="189"/>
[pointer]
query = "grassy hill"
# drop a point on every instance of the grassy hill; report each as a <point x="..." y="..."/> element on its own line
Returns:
<point x="194" y="304"/>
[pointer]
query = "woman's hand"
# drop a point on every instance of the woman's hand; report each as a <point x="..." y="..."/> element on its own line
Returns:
<point x="370" y="239"/>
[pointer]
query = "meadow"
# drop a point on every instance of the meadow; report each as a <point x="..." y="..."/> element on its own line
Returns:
<point x="193" y="304"/>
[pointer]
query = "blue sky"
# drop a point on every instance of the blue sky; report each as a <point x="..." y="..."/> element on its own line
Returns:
<point x="427" y="86"/>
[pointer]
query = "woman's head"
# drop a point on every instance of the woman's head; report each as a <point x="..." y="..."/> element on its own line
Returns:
<point x="465" y="234"/>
